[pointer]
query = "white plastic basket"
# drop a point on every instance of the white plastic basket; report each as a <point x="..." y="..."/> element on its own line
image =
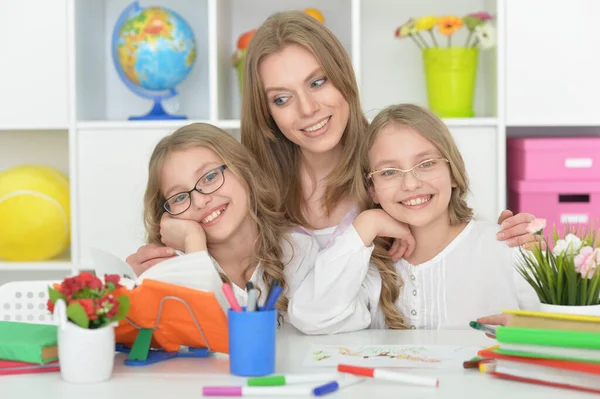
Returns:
<point x="25" y="301"/>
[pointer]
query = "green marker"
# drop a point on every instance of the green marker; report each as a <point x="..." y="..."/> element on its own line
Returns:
<point x="483" y="327"/>
<point x="277" y="380"/>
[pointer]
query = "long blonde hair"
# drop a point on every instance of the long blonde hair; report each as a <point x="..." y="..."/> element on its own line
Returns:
<point x="278" y="155"/>
<point x="433" y="129"/>
<point x="262" y="200"/>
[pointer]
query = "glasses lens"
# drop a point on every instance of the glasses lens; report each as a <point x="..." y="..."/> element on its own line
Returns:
<point x="210" y="181"/>
<point x="178" y="203"/>
<point x="387" y="178"/>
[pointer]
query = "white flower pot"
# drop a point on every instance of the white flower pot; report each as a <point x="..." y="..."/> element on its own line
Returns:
<point x="85" y="355"/>
<point x="591" y="310"/>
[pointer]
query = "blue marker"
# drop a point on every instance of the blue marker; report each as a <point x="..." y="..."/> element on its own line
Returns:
<point x="272" y="299"/>
<point x="335" y="385"/>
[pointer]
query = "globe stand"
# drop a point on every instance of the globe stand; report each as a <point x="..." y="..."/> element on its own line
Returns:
<point x="157" y="113"/>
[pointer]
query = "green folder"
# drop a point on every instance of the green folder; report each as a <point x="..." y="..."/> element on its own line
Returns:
<point x="26" y="342"/>
<point x="544" y="337"/>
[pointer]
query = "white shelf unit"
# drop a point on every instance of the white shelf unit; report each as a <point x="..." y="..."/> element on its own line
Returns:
<point x="106" y="156"/>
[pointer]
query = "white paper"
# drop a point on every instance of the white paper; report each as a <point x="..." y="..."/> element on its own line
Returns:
<point x="405" y="356"/>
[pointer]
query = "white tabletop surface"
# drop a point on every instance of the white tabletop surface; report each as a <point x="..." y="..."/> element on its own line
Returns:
<point x="184" y="378"/>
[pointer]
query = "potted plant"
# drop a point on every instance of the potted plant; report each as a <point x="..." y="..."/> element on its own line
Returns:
<point x="566" y="275"/>
<point x="86" y="310"/>
<point x="450" y="68"/>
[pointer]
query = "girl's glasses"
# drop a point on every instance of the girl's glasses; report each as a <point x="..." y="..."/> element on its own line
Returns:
<point x="392" y="177"/>
<point x="210" y="182"/>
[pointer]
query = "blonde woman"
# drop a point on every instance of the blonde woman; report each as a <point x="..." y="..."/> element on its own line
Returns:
<point x="458" y="271"/>
<point x="303" y="122"/>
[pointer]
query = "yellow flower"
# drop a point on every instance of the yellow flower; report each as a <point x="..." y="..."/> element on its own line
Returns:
<point x="426" y="23"/>
<point x="449" y="24"/>
<point x="408" y="28"/>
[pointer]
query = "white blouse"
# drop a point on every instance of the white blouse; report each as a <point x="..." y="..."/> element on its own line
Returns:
<point x="302" y="255"/>
<point x="473" y="276"/>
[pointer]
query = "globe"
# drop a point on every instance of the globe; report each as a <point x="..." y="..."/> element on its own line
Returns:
<point x="154" y="50"/>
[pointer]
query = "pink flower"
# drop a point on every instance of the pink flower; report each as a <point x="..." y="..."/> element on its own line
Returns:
<point x="482" y="15"/>
<point x="536" y="226"/>
<point x="587" y="262"/>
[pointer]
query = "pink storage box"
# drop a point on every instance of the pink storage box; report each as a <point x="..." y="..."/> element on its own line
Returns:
<point x="553" y="158"/>
<point x="560" y="203"/>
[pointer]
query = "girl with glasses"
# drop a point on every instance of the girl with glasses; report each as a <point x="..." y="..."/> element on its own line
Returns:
<point x="458" y="271"/>
<point x="207" y="198"/>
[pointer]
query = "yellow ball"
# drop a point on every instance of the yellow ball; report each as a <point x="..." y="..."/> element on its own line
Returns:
<point x="34" y="213"/>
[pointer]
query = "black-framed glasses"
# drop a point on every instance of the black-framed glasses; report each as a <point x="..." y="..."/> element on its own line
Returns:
<point x="210" y="182"/>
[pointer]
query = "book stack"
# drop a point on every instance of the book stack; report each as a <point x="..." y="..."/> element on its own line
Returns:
<point x="28" y="348"/>
<point x="547" y="348"/>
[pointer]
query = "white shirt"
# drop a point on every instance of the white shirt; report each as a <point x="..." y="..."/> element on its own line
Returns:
<point x="473" y="276"/>
<point x="199" y="270"/>
<point x="301" y="256"/>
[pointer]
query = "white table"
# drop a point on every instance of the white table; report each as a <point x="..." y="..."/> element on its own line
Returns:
<point x="183" y="378"/>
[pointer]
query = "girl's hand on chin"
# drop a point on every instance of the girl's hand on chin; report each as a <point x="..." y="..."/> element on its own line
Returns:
<point x="182" y="234"/>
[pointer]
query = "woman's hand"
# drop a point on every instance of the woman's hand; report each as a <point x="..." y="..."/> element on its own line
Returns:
<point x="147" y="256"/>
<point x="376" y="222"/>
<point x="514" y="228"/>
<point x="182" y="234"/>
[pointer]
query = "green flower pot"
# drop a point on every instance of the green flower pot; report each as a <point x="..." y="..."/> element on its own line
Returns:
<point x="450" y="74"/>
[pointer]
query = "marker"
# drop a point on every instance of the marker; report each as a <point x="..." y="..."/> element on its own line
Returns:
<point x="249" y="286"/>
<point x="272" y="299"/>
<point x="380" y="374"/>
<point x="230" y="297"/>
<point x="278" y="380"/>
<point x="274" y="283"/>
<point x="336" y="385"/>
<point x="483" y="327"/>
<point x="252" y="297"/>
<point x="257" y="391"/>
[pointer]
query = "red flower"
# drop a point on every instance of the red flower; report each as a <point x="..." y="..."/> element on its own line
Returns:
<point x="89" y="307"/>
<point x="50" y="306"/>
<point x="89" y="280"/>
<point x="113" y="278"/>
<point x="70" y="286"/>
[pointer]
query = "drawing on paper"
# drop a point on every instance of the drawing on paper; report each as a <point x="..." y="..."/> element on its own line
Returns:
<point x="437" y="356"/>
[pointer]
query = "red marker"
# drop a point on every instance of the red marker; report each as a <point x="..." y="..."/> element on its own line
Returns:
<point x="380" y="374"/>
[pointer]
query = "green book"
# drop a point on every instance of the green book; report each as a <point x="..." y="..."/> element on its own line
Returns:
<point x="537" y="336"/>
<point x="26" y="342"/>
<point x="549" y="344"/>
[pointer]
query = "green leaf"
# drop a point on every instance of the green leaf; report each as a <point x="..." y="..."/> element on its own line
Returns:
<point x="55" y="295"/>
<point x="76" y="313"/>
<point x="111" y="286"/>
<point x="594" y="292"/>
<point x="583" y="292"/>
<point x="123" y="307"/>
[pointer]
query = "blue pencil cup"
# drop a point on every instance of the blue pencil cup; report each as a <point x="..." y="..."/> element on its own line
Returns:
<point x="252" y="342"/>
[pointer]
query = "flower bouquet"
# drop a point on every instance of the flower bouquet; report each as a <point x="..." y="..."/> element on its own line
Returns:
<point x="86" y="310"/>
<point x="90" y="303"/>
<point x="567" y="275"/>
<point x="450" y="70"/>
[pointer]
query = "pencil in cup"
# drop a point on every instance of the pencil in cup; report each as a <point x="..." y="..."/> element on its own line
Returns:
<point x="252" y="342"/>
<point x="380" y="374"/>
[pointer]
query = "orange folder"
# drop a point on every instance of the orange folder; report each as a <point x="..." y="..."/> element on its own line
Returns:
<point x="178" y="315"/>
